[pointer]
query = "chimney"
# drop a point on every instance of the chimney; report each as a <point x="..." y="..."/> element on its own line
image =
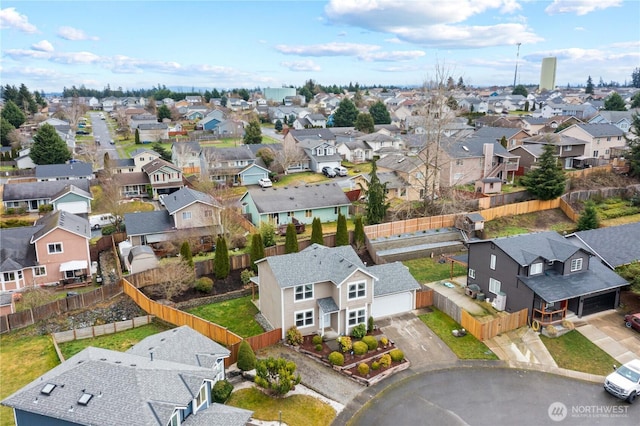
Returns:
<point x="487" y="149"/>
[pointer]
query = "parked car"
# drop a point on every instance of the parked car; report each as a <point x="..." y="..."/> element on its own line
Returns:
<point x="632" y="321"/>
<point x="265" y="182"/>
<point x="99" y="220"/>
<point x="112" y="142"/>
<point x="340" y="171"/>
<point x="161" y="198"/>
<point x="624" y="382"/>
<point x="329" y="172"/>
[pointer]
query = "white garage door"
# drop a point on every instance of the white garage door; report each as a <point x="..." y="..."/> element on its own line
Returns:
<point x="74" y="207"/>
<point x="391" y="305"/>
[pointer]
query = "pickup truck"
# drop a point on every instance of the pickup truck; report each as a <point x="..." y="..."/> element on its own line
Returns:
<point x="624" y="382"/>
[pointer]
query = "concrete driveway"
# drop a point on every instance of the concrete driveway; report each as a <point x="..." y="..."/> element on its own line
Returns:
<point x="607" y="330"/>
<point x="419" y="344"/>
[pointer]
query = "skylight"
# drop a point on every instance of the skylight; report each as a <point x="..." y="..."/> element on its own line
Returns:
<point x="465" y="148"/>
<point x="47" y="389"/>
<point x="85" y="398"/>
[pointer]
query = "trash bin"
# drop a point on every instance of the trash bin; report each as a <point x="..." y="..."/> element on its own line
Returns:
<point x="480" y="297"/>
<point x="472" y="290"/>
<point x="72" y="293"/>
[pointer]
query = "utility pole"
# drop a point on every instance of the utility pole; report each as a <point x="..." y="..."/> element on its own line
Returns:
<point x="515" y="76"/>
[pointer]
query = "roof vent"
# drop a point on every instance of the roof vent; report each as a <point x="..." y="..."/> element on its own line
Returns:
<point x="85" y="398"/>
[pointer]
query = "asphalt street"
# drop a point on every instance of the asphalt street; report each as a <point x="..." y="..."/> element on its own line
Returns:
<point x="492" y="396"/>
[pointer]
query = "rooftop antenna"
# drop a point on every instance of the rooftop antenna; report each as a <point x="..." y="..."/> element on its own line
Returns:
<point x="515" y="76"/>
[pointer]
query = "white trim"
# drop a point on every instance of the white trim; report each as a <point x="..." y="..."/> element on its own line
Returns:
<point x="54" y="252"/>
<point x="472" y="273"/>
<point x="304" y="292"/>
<point x="305" y="318"/>
<point x="492" y="262"/>
<point x="535" y="268"/>
<point x="576" y="264"/>
<point x="357" y="290"/>
<point x="494" y="286"/>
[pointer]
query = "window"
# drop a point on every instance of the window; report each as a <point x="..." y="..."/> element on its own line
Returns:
<point x="9" y="276"/>
<point x="494" y="286"/>
<point x="202" y="396"/>
<point x="289" y="214"/>
<point x="576" y="265"/>
<point x="568" y="148"/>
<point x="459" y="162"/>
<point x="175" y="419"/>
<point x="308" y="213"/>
<point x="595" y="153"/>
<point x="492" y="263"/>
<point x="304" y="318"/>
<point x="39" y="271"/>
<point x="357" y="317"/>
<point x="336" y="210"/>
<point x="208" y="213"/>
<point x="304" y="292"/>
<point x="357" y="290"/>
<point x="472" y="273"/>
<point x="186" y="215"/>
<point x="535" y="268"/>
<point x="54" y="248"/>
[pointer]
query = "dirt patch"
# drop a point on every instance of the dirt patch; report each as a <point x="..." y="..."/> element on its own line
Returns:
<point x="629" y="302"/>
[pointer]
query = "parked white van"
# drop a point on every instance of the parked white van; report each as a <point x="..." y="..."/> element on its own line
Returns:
<point x="99" y="220"/>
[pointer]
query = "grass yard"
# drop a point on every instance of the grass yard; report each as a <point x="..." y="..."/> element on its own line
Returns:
<point x="25" y="356"/>
<point x="575" y="352"/>
<point x="120" y="341"/>
<point x="544" y="220"/>
<point x="301" y="178"/>
<point x="427" y="270"/>
<point x="466" y="347"/>
<point x="235" y="314"/>
<point x="297" y="410"/>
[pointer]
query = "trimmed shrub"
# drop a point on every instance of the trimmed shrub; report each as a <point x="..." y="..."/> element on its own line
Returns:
<point x="317" y="339"/>
<point x="204" y="285"/>
<point x="246" y="357"/>
<point x="246" y="275"/>
<point x="345" y="343"/>
<point x="359" y="331"/>
<point x="552" y="331"/>
<point x="385" y="360"/>
<point x="384" y="341"/>
<point x="371" y="342"/>
<point x="363" y="369"/>
<point x="294" y="337"/>
<point x="336" y="358"/>
<point x="45" y="208"/>
<point x="360" y="348"/>
<point x="221" y="391"/>
<point x="375" y="365"/>
<point x="370" y="325"/>
<point x="319" y="347"/>
<point x="568" y="325"/>
<point x="396" y="355"/>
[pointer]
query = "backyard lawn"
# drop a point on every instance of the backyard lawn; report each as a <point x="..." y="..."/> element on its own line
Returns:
<point x="466" y="347"/>
<point x="427" y="270"/>
<point x="575" y="352"/>
<point x="235" y="314"/>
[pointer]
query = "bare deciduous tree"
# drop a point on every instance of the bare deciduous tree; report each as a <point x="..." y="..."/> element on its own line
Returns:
<point x="290" y="154"/>
<point x="176" y="277"/>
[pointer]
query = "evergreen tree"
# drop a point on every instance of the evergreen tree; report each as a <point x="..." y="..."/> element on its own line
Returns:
<point x="185" y="253"/>
<point x="380" y="113"/>
<point x="589" y="89"/>
<point x="614" y="102"/>
<point x="291" y="239"/>
<point x="548" y="180"/>
<point x="5" y="130"/>
<point x="13" y="114"/>
<point x="316" y="232"/>
<point x="635" y="77"/>
<point x="165" y="154"/>
<point x="342" y="235"/>
<point x="635" y="101"/>
<point x="253" y="133"/>
<point x="246" y="357"/>
<point x="221" y="264"/>
<point x="376" y="198"/>
<point x="26" y="101"/>
<point x="163" y="112"/>
<point x="358" y="233"/>
<point x="276" y="375"/>
<point x="503" y="141"/>
<point x="520" y="90"/>
<point x="364" y="123"/>
<point x="346" y="114"/>
<point x="48" y="147"/>
<point x="257" y="250"/>
<point x="589" y="217"/>
<point x="460" y="83"/>
<point x="136" y="137"/>
<point x="278" y="125"/>
<point x="634" y="146"/>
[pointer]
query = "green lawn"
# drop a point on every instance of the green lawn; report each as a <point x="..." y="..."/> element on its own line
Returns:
<point x="575" y="352"/>
<point x="553" y="219"/>
<point x="296" y="410"/>
<point x="120" y="342"/>
<point x="427" y="270"/>
<point x="25" y="356"/>
<point x="235" y="314"/>
<point x="466" y="347"/>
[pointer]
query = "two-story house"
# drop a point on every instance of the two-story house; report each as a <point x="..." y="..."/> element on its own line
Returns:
<point x="54" y="251"/>
<point x="543" y="273"/>
<point x="568" y="149"/>
<point x="416" y="176"/>
<point x="186" y="155"/>
<point x="329" y="291"/>
<point x="600" y="138"/>
<point x="166" y="379"/>
<point x="231" y="165"/>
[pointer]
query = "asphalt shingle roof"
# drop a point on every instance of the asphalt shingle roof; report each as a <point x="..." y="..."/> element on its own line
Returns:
<point x="392" y="278"/>
<point x="63" y="220"/>
<point x="144" y="223"/>
<point x="184" y="197"/>
<point x="526" y="248"/>
<point x="599" y="130"/>
<point x="617" y="245"/>
<point x="40" y="190"/>
<point x="296" y="198"/>
<point x="15" y="251"/>
<point x="79" y="169"/>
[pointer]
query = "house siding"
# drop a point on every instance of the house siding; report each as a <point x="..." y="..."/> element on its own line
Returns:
<point x="74" y="247"/>
<point x="270" y="301"/>
<point x="198" y="218"/>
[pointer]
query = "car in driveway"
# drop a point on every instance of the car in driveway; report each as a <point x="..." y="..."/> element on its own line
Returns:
<point x="340" y="171"/>
<point x="265" y="182"/>
<point x="632" y="321"/>
<point x="329" y="172"/>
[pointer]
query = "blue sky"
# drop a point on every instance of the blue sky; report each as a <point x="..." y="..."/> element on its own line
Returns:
<point x="48" y="45"/>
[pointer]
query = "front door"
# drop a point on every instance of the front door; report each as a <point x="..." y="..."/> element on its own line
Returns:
<point x="326" y="320"/>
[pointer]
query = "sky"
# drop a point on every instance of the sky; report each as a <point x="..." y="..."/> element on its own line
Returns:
<point x="49" y="45"/>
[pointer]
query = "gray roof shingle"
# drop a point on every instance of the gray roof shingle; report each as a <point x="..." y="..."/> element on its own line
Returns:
<point x="296" y="198"/>
<point x="526" y="248"/>
<point x="392" y="278"/>
<point x="185" y="197"/>
<point x="40" y="190"/>
<point x="15" y="251"/>
<point x="79" y="169"/>
<point x="144" y="223"/>
<point x="616" y="245"/>
<point x="63" y="220"/>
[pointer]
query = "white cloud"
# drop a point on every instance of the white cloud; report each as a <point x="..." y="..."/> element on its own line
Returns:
<point x="76" y="58"/>
<point x="43" y="46"/>
<point x="328" y="49"/>
<point x="469" y="36"/>
<point x="27" y="53"/>
<point x="394" y="40"/>
<point x="74" y="34"/>
<point x="580" y="7"/>
<point x="579" y="29"/>
<point x="10" y="19"/>
<point x="395" y="56"/>
<point x="307" y="65"/>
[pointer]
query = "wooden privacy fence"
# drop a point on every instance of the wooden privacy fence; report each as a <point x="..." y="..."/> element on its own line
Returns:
<point x="213" y="331"/>
<point x="424" y="298"/>
<point x="83" y="300"/>
<point x="409" y="226"/>
<point x="484" y="329"/>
